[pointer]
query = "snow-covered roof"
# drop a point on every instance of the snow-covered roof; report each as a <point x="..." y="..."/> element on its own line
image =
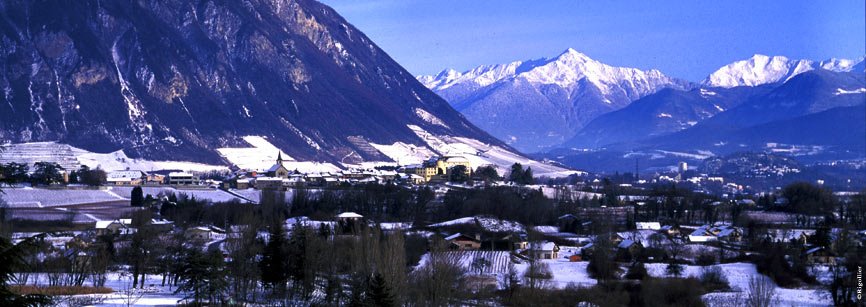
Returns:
<point x="701" y="231"/>
<point x="546" y="229"/>
<point x="814" y="249"/>
<point x="789" y="234"/>
<point x="456" y="159"/>
<point x="105" y="224"/>
<point x="544" y="246"/>
<point x="124" y="175"/>
<point x="179" y="174"/>
<point x="275" y="167"/>
<point x="102" y="224"/>
<point x="349" y="215"/>
<point x="160" y="222"/>
<point x="726" y="232"/>
<point x="265" y="179"/>
<point x="452" y="237"/>
<point x="648" y="225"/>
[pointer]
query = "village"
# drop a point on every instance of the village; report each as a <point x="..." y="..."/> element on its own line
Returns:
<point x="558" y="236"/>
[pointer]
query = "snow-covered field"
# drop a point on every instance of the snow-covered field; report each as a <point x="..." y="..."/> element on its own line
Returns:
<point x="208" y="194"/>
<point x="263" y="154"/>
<point x="151" y="295"/>
<point x="565" y="273"/>
<point x="47" y="198"/>
<point x="477" y="152"/>
<point x="118" y="161"/>
<point x="260" y="156"/>
<point x="71" y="157"/>
<point x="405" y="154"/>
<point x="738" y="275"/>
<point x="41" y="198"/>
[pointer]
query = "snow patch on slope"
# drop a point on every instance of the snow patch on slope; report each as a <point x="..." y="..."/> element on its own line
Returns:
<point x="840" y="91"/>
<point x="478" y="153"/>
<point x="405" y="154"/>
<point x="263" y="154"/>
<point x="118" y="161"/>
<point x="430" y="118"/>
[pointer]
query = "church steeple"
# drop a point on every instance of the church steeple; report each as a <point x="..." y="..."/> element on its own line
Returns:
<point x="279" y="158"/>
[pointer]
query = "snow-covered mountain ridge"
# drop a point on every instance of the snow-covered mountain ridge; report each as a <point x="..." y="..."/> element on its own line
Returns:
<point x="761" y="69"/>
<point x="565" y="71"/>
<point x="537" y="104"/>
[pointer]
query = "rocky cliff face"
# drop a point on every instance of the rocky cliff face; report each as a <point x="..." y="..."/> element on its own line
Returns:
<point x="175" y="79"/>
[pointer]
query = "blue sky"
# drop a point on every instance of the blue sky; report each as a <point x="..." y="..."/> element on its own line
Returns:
<point x="686" y="39"/>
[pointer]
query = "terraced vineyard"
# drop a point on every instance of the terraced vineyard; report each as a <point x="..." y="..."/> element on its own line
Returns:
<point x="208" y="194"/>
<point x="498" y="260"/>
<point x="30" y="153"/>
<point x="40" y="198"/>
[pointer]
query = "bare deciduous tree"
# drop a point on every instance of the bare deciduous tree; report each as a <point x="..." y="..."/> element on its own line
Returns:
<point x="761" y="291"/>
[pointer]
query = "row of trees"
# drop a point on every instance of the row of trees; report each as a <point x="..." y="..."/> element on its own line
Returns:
<point x="47" y="173"/>
<point x="519" y="175"/>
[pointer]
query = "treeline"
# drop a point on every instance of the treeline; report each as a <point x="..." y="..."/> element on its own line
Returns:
<point x="388" y="202"/>
<point x="47" y="173"/>
<point x="523" y="205"/>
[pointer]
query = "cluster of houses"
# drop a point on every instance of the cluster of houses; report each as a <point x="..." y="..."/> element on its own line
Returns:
<point x="278" y="176"/>
<point x="649" y="240"/>
<point x="438" y="168"/>
<point x="516" y="243"/>
<point x="139" y="178"/>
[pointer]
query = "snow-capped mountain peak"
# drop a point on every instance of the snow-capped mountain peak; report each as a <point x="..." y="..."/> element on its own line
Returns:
<point x="835" y="64"/>
<point x="564" y="70"/>
<point x="480" y="76"/>
<point x="762" y="69"/>
<point x="757" y="70"/>
<point x="574" y="55"/>
<point x="562" y="93"/>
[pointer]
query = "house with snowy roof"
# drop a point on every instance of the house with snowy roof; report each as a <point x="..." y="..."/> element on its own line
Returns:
<point x="349" y="216"/>
<point x="702" y="234"/>
<point x="278" y="170"/>
<point x="630" y="246"/>
<point x="709" y="233"/>
<point x="118" y="226"/>
<point x="790" y="235"/>
<point x="205" y="233"/>
<point x="648" y="225"/>
<point x="819" y="255"/>
<point x="671" y="230"/>
<point x="125" y="178"/>
<point x="459" y="241"/>
<point x="543" y="250"/>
